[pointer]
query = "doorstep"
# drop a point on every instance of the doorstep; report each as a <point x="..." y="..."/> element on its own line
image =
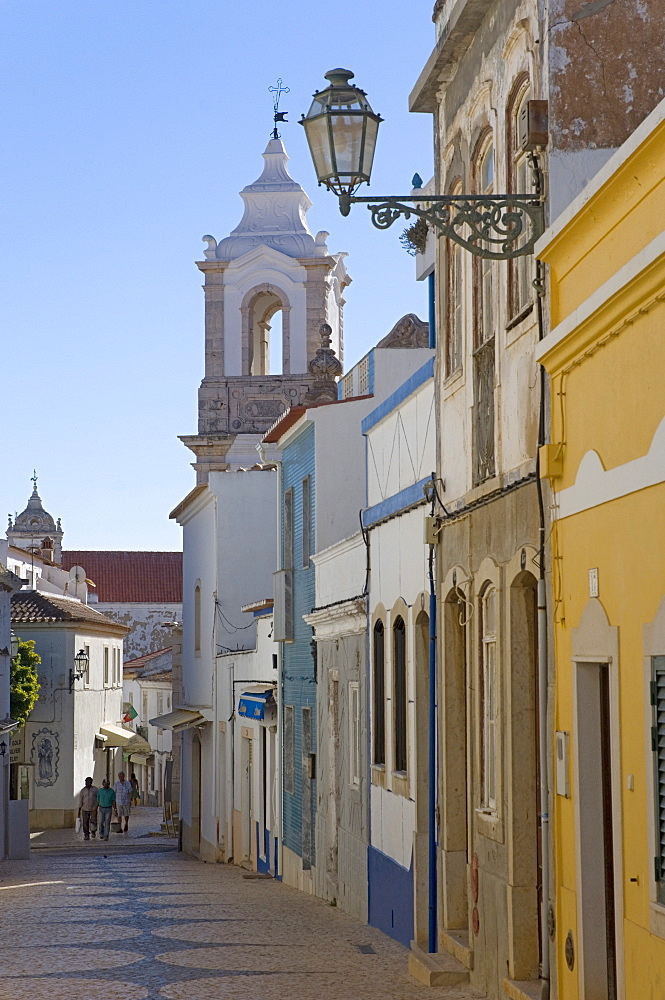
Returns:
<point x="440" y="969"/>
<point x="457" y="943"/>
<point x="522" y="989"/>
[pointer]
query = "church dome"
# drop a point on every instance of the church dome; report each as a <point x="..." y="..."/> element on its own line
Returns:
<point x="275" y="214"/>
<point x="34" y="517"/>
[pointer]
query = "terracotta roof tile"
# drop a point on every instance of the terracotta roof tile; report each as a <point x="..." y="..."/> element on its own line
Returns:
<point x="30" y="606"/>
<point x="131" y="577"/>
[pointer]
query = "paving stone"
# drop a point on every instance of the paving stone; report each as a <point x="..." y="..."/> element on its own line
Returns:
<point x="161" y="926"/>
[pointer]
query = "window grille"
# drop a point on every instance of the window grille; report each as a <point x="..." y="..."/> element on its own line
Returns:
<point x="354" y="733"/>
<point x="399" y="666"/>
<point x="306" y="521"/>
<point x="347" y="386"/>
<point x="658" y="746"/>
<point x="489" y="700"/>
<point x="379" y="697"/>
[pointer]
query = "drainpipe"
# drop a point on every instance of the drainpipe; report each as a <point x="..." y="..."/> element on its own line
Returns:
<point x="539" y="284"/>
<point x="431" y="826"/>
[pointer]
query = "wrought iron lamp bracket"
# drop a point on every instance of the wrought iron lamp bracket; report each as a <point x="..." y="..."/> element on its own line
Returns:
<point x="493" y="226"/>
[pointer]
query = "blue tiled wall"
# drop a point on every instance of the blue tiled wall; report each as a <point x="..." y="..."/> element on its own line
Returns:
<point x="299" y="685"/>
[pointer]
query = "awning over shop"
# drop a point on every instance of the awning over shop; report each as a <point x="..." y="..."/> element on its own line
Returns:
<point x="181" y="718"/>
<point x="116" y="736"/>
<point x="139" y="758"/>
<point x="252" y="704"/>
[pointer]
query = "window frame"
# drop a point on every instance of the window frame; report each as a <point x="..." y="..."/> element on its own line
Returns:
<point x="197" y="618"/>
<point x="306" y="522"/>
<point x="489" y="700"/>
<point x="516" y="160"/>
<point x="400" y="698"/>
<point x="106" y="666"/>
<point x="379" y="694"/>
<point x="354" y="734"/>
<point x="455" y="301"/>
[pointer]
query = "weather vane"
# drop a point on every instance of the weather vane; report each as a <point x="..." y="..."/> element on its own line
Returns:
<point x="280" y="116"/>
<point x="34" y="478"/>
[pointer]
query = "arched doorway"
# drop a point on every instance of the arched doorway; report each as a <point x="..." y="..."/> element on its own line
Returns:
<point x="524" y="825"/>
<point x="454" y="691"/>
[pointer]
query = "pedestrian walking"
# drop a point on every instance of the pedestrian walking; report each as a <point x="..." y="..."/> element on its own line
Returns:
<point x="123" y="800"/>
<point x="106" y="803"/>
<point x="136" y="793"/>
<point x="88" y="809"/>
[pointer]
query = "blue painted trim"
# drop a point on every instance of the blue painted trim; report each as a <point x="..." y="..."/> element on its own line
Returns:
<point x="370" y="371"/>
<point x="398" y="396"/>
<point x="390" y="896"/>
<point x="262" y="612"/>
<point x="406" y="498"/>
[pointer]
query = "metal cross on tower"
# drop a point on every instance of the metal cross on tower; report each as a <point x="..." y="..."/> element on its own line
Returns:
<point x="279" y="116"/>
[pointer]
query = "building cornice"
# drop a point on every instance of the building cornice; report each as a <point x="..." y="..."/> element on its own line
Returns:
<point x="337" y="620"/>
<point x="630" y="293"/>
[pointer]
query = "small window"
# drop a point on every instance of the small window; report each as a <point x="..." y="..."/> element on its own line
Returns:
<point x="354" y="733"/>
<point x="455" y="306"/>
<point x="289" y="749"/>
<point x="130" y="697"/>
<point x="160" y="703"/>
<point x="306" y="522"/>
<point x="86" y="676"/>
<point x="520" y="290"/>
<point x="288" y="529"/>
<point x="400" y="699"/>
<point x="168" y="703"/>
<point x="379" y="697"/>
<point x="106" y="666"/>
<point x="489" y="699"/>
<point x="144" y="717"/>
<point x="485" y="306"/>
<point x="197" y="619"/>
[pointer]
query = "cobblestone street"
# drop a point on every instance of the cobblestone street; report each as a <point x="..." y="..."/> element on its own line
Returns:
<point x="146" y="924"/>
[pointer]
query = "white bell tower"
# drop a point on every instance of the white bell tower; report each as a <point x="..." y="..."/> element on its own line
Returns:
<point x="270" y="263"/>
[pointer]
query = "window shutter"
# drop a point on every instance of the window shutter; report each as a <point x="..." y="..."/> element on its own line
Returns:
<point x="658" y="743"/>
<point x="289" y="749"/>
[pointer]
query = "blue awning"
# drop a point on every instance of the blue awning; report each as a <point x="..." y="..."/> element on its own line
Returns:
<point x="252" y="704"/>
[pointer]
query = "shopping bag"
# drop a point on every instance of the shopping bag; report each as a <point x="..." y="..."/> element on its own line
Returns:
<point x="77" y="825"/>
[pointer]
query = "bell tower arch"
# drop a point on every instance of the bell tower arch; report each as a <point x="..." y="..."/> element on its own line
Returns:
<point x="269" y="264"/>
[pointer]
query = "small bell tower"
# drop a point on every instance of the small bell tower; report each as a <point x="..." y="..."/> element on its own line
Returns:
<point x="270" y="263"/>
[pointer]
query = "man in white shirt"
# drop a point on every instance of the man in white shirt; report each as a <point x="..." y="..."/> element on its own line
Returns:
<point x="123" y="800"/>
<point x="88" y="809"/>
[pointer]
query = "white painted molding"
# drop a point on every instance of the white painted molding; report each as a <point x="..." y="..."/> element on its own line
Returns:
<point x="618" y="282"/>
<point x="338" y="549"/>
<point x="349" y="618"/>
<point x="595" y="485"/>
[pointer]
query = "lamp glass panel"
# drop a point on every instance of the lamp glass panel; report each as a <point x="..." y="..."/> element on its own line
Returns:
<point x="319" y="145"/>
<point x="371" y="133"/>
<point x="347" y="136"/>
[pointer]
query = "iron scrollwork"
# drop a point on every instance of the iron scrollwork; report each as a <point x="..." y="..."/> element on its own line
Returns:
<point x="496" y="227"/>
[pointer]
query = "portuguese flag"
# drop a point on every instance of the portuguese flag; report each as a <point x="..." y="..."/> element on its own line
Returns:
<point x="130" y="714"/>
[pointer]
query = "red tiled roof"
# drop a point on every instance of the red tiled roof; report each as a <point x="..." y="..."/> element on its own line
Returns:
<point x="131" y="577"/>
<point x="140" y="661"/>
<point x="30" y="606"/>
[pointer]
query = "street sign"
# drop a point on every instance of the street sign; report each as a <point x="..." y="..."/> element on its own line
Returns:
<point x="16" y="746"/>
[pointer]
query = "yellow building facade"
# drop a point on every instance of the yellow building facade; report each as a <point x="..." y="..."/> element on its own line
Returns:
<point x="605" y="356"/>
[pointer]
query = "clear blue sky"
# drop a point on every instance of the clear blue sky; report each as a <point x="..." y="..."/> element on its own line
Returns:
<point x="128" y="130"/>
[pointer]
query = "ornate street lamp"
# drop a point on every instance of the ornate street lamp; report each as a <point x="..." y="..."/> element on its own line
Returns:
<point x="13" y="643"/>
<point x="81" y="661"/>
<point x="342" y="129"/>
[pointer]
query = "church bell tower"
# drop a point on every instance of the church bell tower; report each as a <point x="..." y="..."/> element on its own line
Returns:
<point x="270" y="263"/>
